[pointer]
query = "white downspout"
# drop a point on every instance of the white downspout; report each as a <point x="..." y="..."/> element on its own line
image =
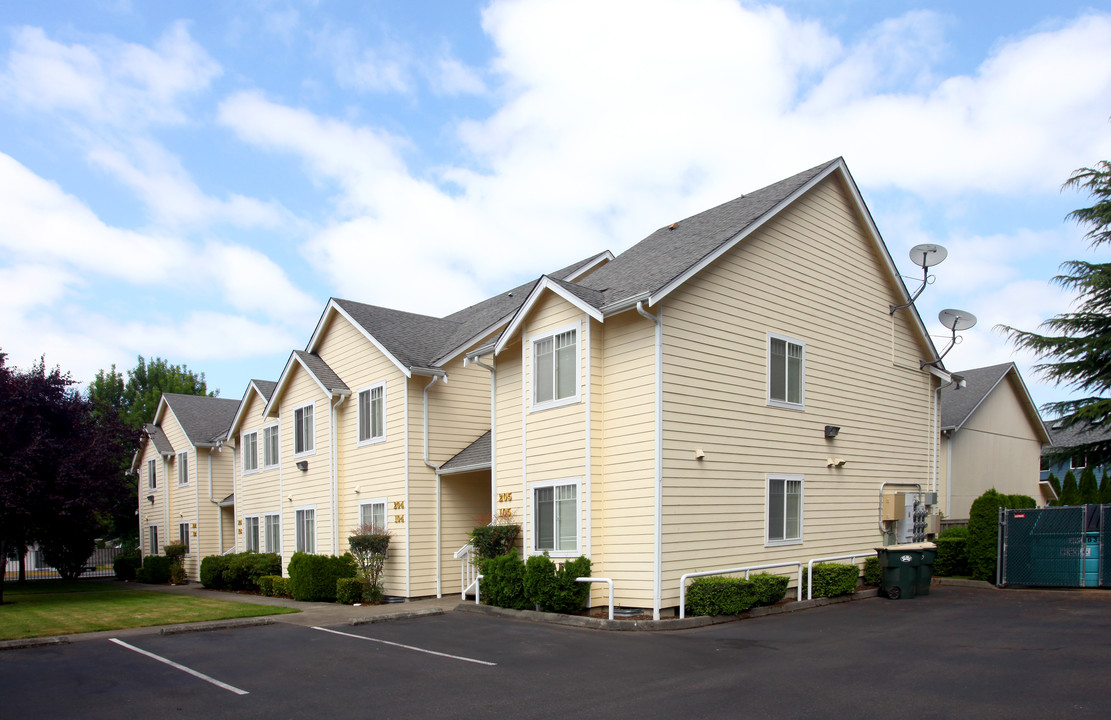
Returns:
<point x="219" y="515"/>
<point x="165" y="505"/>
<point x="435" y="469"/>
<point x="235" y="495"/>
<point x="333" y="470"/>
<point x="493" y="433"/>
<point x="657" y="565"/>
<point x="588" y="499"/>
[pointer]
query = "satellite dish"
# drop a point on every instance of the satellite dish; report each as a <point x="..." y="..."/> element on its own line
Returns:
<point x="928" y="255"/>
<point x="956" y="320"/>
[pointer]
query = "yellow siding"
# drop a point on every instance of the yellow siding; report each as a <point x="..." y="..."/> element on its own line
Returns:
<point x="464" y="504"/>
<point x="259" y="493"/>
<point x="999" y="447"/>
<point x="812" y="275"/>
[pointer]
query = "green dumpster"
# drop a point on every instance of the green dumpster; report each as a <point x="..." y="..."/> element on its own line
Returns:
<point x="926" y="569"/>
<point x="900" y="570"/>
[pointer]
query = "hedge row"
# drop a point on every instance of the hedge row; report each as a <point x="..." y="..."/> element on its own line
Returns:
<point x="507" y="582"/>
<point x="238" y="571"/>
<point x="273" y="586"/>
<point x="155" y="570"/>
<point x="732" y="596"/>
<point x="833" y="579"/>
<point x="314" y="578"/>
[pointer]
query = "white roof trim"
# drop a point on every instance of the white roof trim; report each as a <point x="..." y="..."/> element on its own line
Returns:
<point x="1026" y="391"/>
<point x="238" y="419"/>
<point x="334" y="306"/>
<point x="836" y="166"/>
<point x="465" y="469"/>
<point x="601" y="258"/>
<point x="470" y="343"/>
<point x="284" y="378"/>
<point x="545" y="283"/>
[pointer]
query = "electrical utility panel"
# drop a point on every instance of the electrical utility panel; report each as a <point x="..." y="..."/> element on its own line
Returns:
<point x="911" y="514"/>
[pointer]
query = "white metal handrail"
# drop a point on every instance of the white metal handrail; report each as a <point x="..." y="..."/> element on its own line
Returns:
<point x="468" y="575"/>
<point x="810" y="569"/>
<point x="730" y="571"/>
<point x="607" y="581"/>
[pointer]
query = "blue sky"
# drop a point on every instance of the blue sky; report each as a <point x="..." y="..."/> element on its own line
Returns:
<point x="195" y="180"/>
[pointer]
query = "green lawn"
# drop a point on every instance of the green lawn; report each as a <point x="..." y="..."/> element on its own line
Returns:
<point x="53" y="607"/>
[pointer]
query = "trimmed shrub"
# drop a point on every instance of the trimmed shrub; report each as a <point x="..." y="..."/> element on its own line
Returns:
<point x="212" y="571"/>
<point x="491" y="541"/>
<point x="279" y="586"/>
<point x="539" y="579"/>
<point x="569" y="596"/>
<point x="266" y="585"/>
<point x="312" y="578"/>
<point x="983" y="529"/>
<point x="720" y="596"/>
<point x="349" y="590"/>
<point x="125" y="566"/>
<point x="503" y="582"/>
<point x="952" y="556"/>
<point x="833" y="579"/>
<point x="769" y="589"/>
<point x="155" y="570"/>
<point x="873" y="573"/>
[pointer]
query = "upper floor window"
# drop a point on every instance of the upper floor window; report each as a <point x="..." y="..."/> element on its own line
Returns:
<point x="786" y="372"/>
<point x="1078" y="462"/>
<point x="304" y="430"/>
<point x="250" y="452"/>
<point x="270" y="446"/>
<point x="555" y="367"/>
<point x="183" y="468"/>
<point x="152" y="474"/>
<point x="372" y="413"/>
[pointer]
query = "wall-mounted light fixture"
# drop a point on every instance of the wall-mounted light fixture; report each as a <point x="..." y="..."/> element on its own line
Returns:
<point x="835" y="462"/>
<point x="832" y="430"/>
<point x="302" y="465"/>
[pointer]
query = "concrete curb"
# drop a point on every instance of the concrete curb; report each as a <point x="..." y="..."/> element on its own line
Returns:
<point x="33" y="642"/>
<point x="208" y="625"/>
<point x="404" y="615"/>
<point x="961" y="582"/>
<point x="656" y="625"/>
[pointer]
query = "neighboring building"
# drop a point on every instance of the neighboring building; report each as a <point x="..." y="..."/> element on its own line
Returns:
<point x="991" y="437"/>
<point x="185" y="478"/>
<point x="733" y="390"/>
<point x="1057" y="458"/>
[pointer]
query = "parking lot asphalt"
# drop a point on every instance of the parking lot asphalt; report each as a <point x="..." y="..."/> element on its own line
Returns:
<point x="959" y="652"/>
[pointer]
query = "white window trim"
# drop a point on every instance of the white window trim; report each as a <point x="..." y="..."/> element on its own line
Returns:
<point x="358" y="417"/>
<point x="304" y="453"/>
<point x="263" y="531"/>
<point x="384" y="502"/>
<point x="188" y="539"/>
<point x="801" y="405"/>
<point x="1083" y="460"/>
<point x="153" y="540"/>
<point x="258" y="455"/>
<point x="152" y="471"/>
<point x="247" y="533"/>
<point x="531" y="519"/>
<point x="767" y="508"/>
<point x="262" y="454"/>
<point x="570" y="399"/>
<point x="177" y="467"/>
<point x="315" y="528"/>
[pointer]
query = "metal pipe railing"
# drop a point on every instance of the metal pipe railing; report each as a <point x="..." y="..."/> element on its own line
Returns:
<point x="608" y="581"/>
<point x="730" y="571"/>
<point x="810" y="569"/>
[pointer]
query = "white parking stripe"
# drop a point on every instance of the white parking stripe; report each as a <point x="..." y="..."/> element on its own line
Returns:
<point x="171" y="663"/>
<point x="407" y="647"/>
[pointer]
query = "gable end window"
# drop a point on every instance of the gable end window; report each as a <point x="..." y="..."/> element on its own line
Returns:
<point x="786" y="372"/>
<point x="372" y="414"/>
<point x="183" y="468"/>
<point x="555" y="368"/>
<point x="784" y="518"/>
<point x="152" y="474"/>
<point x="270" y="446"/>
<point x="304" y="430"/>
<point x="250" y="452"/>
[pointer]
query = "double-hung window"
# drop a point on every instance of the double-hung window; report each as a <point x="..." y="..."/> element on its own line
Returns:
<point x="555" y="368"/>
<point x="183" y="535"/>
<point x="372" y="513"/>
<point x="152" y="474"/>
<point x="270" y="446"/>
<point x="273" y="528"/>
<point x="153" y="537"/>
<point x="784" y="520"/>
<point x="250" y="452"/>
<point x="306" y="530"/>
<point x="304" y="430"/>
<point x="556" y="517"/>
<point x="250" y="531"/>
<point x="372" y="414"/>
<point x="786" y="372"/>
<point x="183" y="468"/>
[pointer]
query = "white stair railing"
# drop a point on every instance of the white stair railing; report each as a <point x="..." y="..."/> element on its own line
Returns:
<point x="468" y="574"/>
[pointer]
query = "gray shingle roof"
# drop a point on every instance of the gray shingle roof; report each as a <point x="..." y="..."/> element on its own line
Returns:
<point x="161" y="442"/>
<point x="957" y="404"/>
<point x="669" y="252"/>
<point x="204" y="419"/>
<point x="322" y="372"/>
<point x="475" y="456"/>
<point x="1076" y="435"/>
<point x="266" y="387"/>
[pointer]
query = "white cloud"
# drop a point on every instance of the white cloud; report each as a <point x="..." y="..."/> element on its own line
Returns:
<point x="367" y="69"/>
<point x="111" y="82"/>
<point x="451" y="77"/>
<point x="253" y="283"/>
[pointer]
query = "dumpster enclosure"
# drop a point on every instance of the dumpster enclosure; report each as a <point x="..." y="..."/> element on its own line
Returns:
<point x="1055" y="546"/>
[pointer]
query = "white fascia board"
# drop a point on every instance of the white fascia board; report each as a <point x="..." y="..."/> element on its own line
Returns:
<point x="545" y="283"/>
<point x="333" y="306"/>
<point x="160" y="410"/>
<point x="470" y="343"/>
<point x="599" y="259"/>
<point x="465" y="469"/>
<point x="238" y="419"/>
<point x="283" y="380"/>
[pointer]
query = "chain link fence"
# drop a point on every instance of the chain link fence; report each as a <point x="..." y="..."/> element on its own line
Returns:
<point x="1054" y="546"/>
